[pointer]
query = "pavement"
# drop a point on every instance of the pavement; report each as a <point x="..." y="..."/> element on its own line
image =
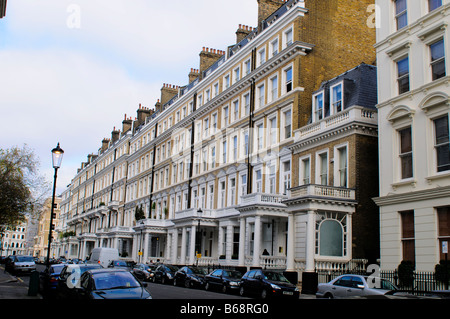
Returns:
<point x="12" y="287"/>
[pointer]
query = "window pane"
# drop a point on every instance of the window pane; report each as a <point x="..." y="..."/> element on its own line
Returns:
<point x="434" y="4"/>
<point x="403" y="75"/>
<point x="442" y="144"/>
<point x="331" y="238"/>
<point x="444" y="221"/>
<point x="437" y="59"/>
<point x="407" y="218"/>
<point x="400" y="12"/>
<point x="406" y="152"/>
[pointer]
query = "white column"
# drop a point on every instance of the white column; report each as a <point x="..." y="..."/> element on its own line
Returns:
<point x="192" y="251"/>
<point x="257" y="242"/>
<point x="310" y="241"/>
<point x="221" y="241"/>
<point x="183" y="245"/>
<point x="229" y="245"/>
<point x="242" y="242"/>
<point x="174" y="245"/>
<point x="290" y="262"/>
<point x="144" y="248"/>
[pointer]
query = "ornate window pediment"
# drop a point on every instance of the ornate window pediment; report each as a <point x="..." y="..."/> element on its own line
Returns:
<point x="400" y="112"/>
<point x="435" y="102"/>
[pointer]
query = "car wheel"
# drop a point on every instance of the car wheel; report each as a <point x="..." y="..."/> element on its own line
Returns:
<point x="224" y="288"/>
<point x="328" y="296"/>
<point x="207" y="286"/>
<point x="187" y="283"/>
<point x="154" y="279"/>
<point x="264" y="294"/>
<point x="174" y="281"/>
<point x="163" y="280"/>
<point x="242" y="291"/>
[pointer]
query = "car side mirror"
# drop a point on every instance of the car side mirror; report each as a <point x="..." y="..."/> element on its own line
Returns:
<point x="360" y="286"/>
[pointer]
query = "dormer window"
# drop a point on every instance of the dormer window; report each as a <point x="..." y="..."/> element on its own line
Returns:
<point x="318" y="106"/>
<point x="336" y="98"/>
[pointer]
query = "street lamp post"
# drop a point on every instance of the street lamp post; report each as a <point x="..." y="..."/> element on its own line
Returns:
<point x="57" y="155"/>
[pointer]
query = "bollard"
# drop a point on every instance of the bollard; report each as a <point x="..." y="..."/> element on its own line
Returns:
<point x="33" y="288"/>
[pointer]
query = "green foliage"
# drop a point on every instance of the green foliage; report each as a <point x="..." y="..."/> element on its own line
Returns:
<point x="406" y="273"/>
<point x="442" y="271"/>
<point x="139" y="213"/>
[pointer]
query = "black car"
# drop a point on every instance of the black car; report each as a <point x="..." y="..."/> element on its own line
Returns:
<point x="190" y="276"/>
<point x="165" y="273"/>
<point x="69" y="279"/>
<point x="144" y="272"/>
<point x="111" y="283"/>
<point x="225" y="280"/>
<point x="48" y="279"/>
<point x="119" y="264"/>
<point x="267" y="283"/>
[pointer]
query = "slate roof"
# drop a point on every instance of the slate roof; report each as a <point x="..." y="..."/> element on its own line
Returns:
<point x="360" y="87"/>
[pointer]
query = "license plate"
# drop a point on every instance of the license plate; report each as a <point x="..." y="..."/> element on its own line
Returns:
<point x="290" y="293"/>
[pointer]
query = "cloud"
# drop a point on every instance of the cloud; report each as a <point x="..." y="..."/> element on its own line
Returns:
<point x="72" y="85"/>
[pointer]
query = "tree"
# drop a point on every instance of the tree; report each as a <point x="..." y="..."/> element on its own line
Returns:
<point x="139" y="213"/>
<point x="22" y="188"/>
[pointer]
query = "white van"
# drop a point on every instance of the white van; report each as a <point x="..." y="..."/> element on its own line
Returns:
<point x="103" y="256"/>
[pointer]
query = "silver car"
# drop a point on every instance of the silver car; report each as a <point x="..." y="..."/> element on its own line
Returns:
<point x="21" y="264"/>
<point x="347" y="286"/>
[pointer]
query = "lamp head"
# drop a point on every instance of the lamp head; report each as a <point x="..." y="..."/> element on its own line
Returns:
<point x="57" y="155"/>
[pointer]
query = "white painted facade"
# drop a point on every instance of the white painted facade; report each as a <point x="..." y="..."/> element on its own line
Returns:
<point x="408" y="116"/>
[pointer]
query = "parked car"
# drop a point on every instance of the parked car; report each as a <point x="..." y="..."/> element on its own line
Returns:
<point x="165" y="273"/>
<point x="20" y="264"/>
<point x="190" y="276"/>
<point x="345" y="286"/>
<point x="69" y="279"/>
<point x="267" y="283"/>
<point x="48" y="279"/>
<point x="119" y="264"/>
<point x="111" y="283"/>
<point x="223" y="279"/>
<point x="144" y="272"/>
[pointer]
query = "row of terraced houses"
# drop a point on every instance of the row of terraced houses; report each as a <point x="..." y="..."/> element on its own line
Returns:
<point x="320" y="140"/>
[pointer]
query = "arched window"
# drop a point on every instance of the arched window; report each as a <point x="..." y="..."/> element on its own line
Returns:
<point x="331" y="234"/>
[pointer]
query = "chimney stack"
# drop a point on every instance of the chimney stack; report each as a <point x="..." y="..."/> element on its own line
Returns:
<point x="242" y="32"/>
<point x="193" y="75"/>
<point x="126" y="125"/>
<point x="105" y="144"/>
<point x="115" y="135"/>
<point x="266" y="8"/>
<point x="208" y="57"/>
<point x="168" y="91"/>
<point x="142" y="114"/>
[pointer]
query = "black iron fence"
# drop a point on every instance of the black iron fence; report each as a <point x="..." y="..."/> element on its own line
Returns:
<point x="419" y="281"/>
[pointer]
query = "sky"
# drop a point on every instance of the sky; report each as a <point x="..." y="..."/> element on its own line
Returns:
<point x="71" y="70"/>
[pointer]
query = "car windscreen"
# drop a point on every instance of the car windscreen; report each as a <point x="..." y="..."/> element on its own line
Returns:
<point x="22" y="259"/>
<point x="171" y="268"/>
<point x="114" y="280"/>
<point x="232" y="274"/>
<point x="198" y="271"/>
<point x="275" y="276"/>
<point x="120" y="263"/>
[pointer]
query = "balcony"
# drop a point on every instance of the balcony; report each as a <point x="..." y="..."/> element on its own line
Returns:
<point x="351" y="115"/>
<point x="315" y="196"/>
<point x="263" y="199"/>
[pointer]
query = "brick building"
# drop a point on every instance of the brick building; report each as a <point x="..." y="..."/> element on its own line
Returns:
<point x="210" y="169"/>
